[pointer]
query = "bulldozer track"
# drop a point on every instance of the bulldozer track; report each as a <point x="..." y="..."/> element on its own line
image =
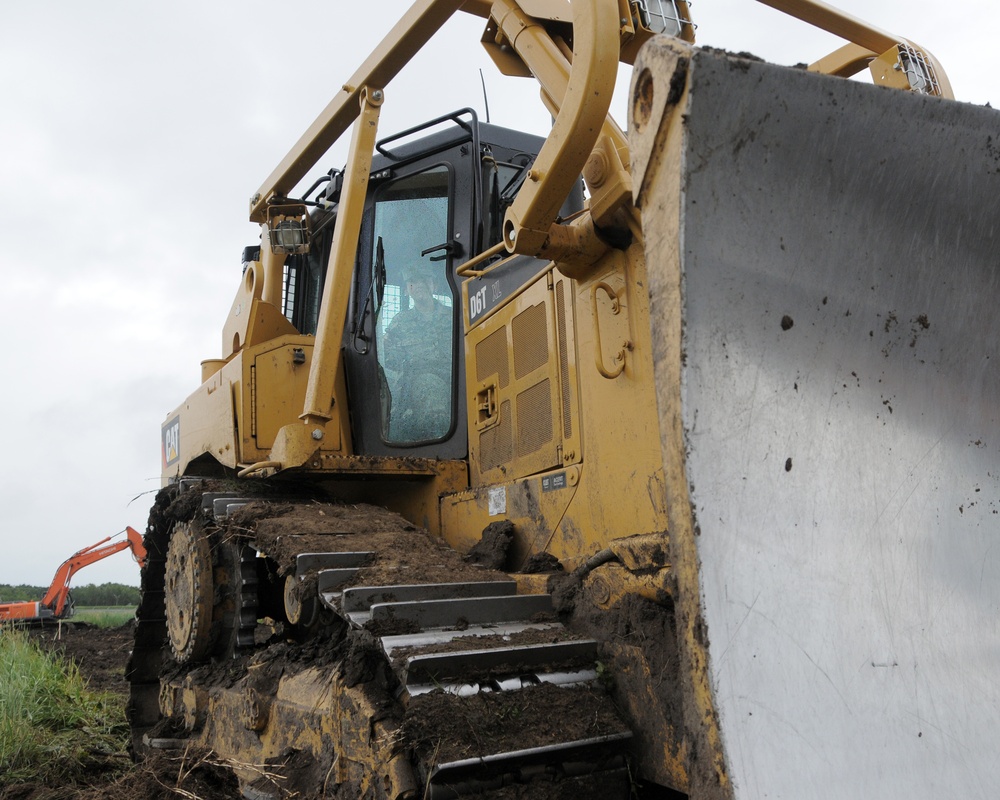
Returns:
<point x="470" y="666"/>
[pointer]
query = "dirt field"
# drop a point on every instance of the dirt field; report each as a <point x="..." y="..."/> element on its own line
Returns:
<point x="101" y="655"/>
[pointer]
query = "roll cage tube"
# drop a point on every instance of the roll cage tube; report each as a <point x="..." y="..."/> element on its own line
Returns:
<point x="426" y="17"/>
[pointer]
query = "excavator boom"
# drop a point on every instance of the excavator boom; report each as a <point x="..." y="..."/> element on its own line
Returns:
<point x="54" y="603"/>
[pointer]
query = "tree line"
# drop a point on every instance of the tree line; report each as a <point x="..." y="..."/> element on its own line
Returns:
<point x="106" y="594"/>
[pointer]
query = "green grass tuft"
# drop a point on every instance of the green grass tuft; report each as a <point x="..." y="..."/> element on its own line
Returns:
<point x="108" y="617"/>
<point x="52" y="728"/>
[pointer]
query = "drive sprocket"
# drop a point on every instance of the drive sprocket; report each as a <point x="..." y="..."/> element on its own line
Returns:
<point x="189" y="593"/>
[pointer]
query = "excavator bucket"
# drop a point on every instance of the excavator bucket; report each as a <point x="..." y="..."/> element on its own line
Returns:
<point x="823" y="265"/>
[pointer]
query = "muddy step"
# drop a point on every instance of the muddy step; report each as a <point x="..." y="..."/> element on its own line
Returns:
<point x="357" y="601"/>
<point x="441" y="640"/>
<point x="462" y="612"/>
<point x="597" y="762"/>
<point x="466" y="672"/>
<point x="222" y="506"/>
<point x="307" y="562"/>
<point x="208" y="500"/>
<point x="333" y="570"/>
<point x="330" y="584"/>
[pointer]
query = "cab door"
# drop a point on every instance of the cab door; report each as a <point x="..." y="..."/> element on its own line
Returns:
<point x="402" y="344"/>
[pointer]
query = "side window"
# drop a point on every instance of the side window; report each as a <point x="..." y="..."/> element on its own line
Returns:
<point x="501" y="180"/>
<point x="415" y="328"/>
<point x="302" y="287"/>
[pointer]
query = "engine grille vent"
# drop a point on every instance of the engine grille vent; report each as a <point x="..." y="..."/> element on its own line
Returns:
<point x="534" y="418"/>
<point x="491" y="358"/>
<point x="531" y="347"/>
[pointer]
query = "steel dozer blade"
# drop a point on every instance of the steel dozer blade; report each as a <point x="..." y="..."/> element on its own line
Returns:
<point x="823" y="268"/>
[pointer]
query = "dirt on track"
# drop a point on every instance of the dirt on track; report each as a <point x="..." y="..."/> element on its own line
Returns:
<point x="100" y="655"/>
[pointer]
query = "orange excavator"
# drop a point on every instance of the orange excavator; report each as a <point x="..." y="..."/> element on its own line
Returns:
<point x="57" y="603"/>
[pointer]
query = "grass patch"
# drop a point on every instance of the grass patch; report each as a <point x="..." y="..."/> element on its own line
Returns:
<point x="52" y="728"/>
<point x="106" y="617"/>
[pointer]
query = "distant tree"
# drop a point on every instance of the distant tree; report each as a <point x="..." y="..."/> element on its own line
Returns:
<point x="107" y="594"/>
<point x="20" y="593"/>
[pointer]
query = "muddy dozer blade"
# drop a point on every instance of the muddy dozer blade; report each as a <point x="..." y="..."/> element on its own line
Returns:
<point x="824" y="263"/>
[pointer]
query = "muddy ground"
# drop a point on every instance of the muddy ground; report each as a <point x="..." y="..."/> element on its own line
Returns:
<point x="101" y="655"/>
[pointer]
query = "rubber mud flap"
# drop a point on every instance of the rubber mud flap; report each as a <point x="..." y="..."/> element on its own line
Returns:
<point x="824" y="288"/>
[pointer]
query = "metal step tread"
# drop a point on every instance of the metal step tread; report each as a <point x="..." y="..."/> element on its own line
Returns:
<point x="462" y="612"/>
<point x="357" y="601"/>
<point x="567" y="679"/>
<point x="512" y="659"/>
<point x="306" y="562"/>
<point x="330" y="585"/>
<point x="442" y="638"/>
<point x="220" y="505"/>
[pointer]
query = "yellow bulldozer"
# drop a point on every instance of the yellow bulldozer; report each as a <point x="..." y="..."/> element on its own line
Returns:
<point x="655" y="464"/>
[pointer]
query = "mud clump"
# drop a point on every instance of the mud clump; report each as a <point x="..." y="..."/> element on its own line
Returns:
<point x="391" y="627"/>
<point x="161" y="776"/>
<point x="564" y="590"/>
<point x="363" y="659"/>
<point x="541" y="562"/>
<point x="192" y="772"/>
<point x="491" y="550"/>
<point x="640" y="656"/>
<point x="404" y="552"/>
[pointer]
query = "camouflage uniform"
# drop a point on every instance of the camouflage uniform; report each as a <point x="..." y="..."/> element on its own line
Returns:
<point x="418" y="348"/>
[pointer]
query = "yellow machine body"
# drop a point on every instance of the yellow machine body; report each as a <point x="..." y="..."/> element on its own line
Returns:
<point x="687" y="393"/>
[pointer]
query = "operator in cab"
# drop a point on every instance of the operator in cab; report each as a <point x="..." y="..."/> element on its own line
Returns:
<point x="417" y="349"/>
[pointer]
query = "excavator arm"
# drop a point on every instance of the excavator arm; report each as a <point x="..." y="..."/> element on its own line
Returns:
<point x="58" y="593"/>
<point x="57" y="596"/>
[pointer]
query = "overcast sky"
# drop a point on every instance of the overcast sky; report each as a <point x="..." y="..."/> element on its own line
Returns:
<point x="133" y="135"/>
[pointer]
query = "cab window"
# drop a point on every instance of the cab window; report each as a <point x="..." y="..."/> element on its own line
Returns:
<point x="415" y="327"/>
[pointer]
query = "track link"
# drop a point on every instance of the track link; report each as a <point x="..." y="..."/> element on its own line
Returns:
<point x="477" y="690"/>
